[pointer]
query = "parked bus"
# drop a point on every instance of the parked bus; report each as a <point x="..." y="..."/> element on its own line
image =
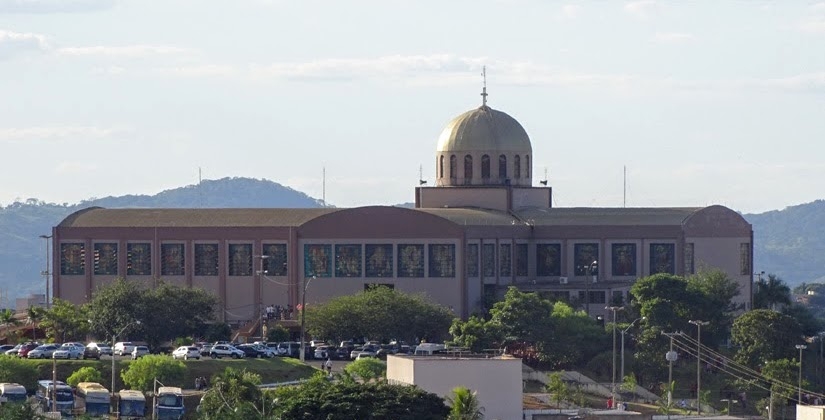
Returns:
<point x="131" y="404"/>
<point x="92" y="398"/>
<point x="169" y="403"/>
<point x="56" y="394"/>
<point x="12" y="392"/>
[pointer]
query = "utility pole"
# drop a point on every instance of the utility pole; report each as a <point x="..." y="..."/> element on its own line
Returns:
<point x="671" y="356"/>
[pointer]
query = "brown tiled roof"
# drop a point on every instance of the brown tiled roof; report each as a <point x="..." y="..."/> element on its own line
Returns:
<point x="570" y="216"/>
<point x="100" y="217"/>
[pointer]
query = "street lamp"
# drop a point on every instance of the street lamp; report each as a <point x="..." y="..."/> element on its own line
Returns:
<point x="114" y="340"/>
<point x="46" y="272"/>
<point x="261" y="274"/>
<point x="613" y="383"/>
<point x="624" y="331"/>
<point x="699" y="325"/>
<point x="587" y="281"/>
<point x="800" y="347"/>
<point x="303" y="314"/>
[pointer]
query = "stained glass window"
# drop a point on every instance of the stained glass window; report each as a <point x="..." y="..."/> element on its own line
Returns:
<point x="453" y="167"/>
<point x="623" y="259"/>
<point x="517" y="167"/>
<point x="472" y="260"/>
<point x="347" y="260"/>
<point x="468" y="168"/>
<point x="548" y="260"/>
<point x="485" y="167"/>
<point x="410" y="260"/>
<point x="488" y="260"/>
<point x="72" y="259"/>
<point x="441" y="166"/>
<point x="276" y="263"/>
<point x="527" y="167"/>
<point x="662" y="258"/>
<point x="745" y="258"/>
<point x="522" y="265"/>
<point x="583" y="257"/>
<point x="139" y="259"/>
<point x="505" y="264"/>
<point x="240" y="259"/>
<point x="317" y="260"/>
<point x="442" y="260"/>
<point x="379" y="260"/>
<point x="689" y="265"/>
<point x="105" y="258"/>
<point x="502" y="167"/>
<point x="172" y="260"/>
<point x="206" y="259"/>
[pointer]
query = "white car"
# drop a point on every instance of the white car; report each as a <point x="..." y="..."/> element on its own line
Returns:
<point x="139" y="351"/>
<point x="123" y="347"/>
<point x="69" y="351"/>
<point x="225" y="350"/>
<point x="186" y="353"/>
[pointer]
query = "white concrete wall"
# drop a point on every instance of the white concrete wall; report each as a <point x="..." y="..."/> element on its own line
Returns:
<point x="497" y="381"/>
<point x="810" y="412"/>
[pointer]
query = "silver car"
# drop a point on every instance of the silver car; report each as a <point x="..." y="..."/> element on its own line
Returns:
<point x="139" y="351"/>
<point x="69" y="351"/>
<point x="42" y="352"/>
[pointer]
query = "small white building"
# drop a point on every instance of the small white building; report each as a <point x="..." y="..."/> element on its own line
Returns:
<point x="497" y="380"/>
<point x="810" y="412"/>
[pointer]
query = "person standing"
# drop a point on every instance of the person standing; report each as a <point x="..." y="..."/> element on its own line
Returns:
<point x="328" y="365"/>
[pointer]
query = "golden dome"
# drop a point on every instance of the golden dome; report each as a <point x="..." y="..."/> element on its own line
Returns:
<point x="484" y="129"/>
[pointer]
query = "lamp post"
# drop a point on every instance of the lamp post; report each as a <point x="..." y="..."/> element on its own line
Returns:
<point x="698" y="325"/>
<point x="587" y="281"/>
<point x="624" y="331"/>
<point x="303" y="314"/>
<point x="46" y="273"/>
<point x="671" y="356"/>
<point x="800" y="347"/>
<point x="261" y="274"/>
<point x="114" y="340"/>
<point x="614" y="309"/>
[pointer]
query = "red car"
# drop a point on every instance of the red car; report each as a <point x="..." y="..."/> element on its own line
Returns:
<point x="24" y="350"/>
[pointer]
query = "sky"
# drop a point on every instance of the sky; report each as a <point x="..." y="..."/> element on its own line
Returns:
<point x="703" y="102"/>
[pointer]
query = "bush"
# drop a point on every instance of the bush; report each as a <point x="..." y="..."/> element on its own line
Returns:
<point x="22" y="371"/>
<point x="84" y="374"/>
<point x="367" y="369"/>
<point x="141" y="373"/>
<point x="217" y="332"/>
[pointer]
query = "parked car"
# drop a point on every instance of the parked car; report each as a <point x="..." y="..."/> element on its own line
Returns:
<point x="369" y="350"/>
<point x="122" y="348"/>
<point x="42" y="352"/>
<point x="95" y="350"/>
<point x="289" y="349"/>
<point x="24" y="350"/>
<point x="323" y="352"/>
<point x="204" y="348"/>
<point x="139" y="351"/>
<point x="186" y="353"/>
<point x="365" y="355"/>
<point x="6" y="347"/>
<point x="225" y="350"/>
<point x="267" y="352"/>
<point x="317" y="343"/>
<point x="249" y="351"/>
<point x="13" y="351"/>
<point x="342" y="353"/>
<point x="69" y="351"/>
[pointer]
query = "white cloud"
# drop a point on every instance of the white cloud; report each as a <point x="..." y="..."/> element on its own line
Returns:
<point x="673" y="37"/>
<point x="65" y="168"/>
<point x="54" y="6"/>
<point x="642" y="9"/>
<point x="813" y="25"/>
<point x="570" y="11"/>
<point x="56" y="133"/>
<point x="12" y="43"/>
<point x="128" y="51"/>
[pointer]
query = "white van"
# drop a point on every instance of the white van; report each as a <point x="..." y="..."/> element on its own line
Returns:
<point x="12" y="392"/>
<point x="427" y="349"/>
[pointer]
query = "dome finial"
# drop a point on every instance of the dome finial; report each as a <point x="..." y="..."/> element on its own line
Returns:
<point x="484" y="88"/>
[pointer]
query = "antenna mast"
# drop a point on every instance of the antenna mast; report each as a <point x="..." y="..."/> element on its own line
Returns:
<point x="324" y="186"/>
<point x="624" y="187"/>
<point x="484" y="88"/>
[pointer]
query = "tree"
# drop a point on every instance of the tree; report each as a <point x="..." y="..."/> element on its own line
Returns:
<point x="277" y="334"/>
<point x="764" y="335"/>
<point x="781" y="375"/>
<point x="809" y="323"/>
<point x="84" y="374"/>
<point x="65" y="321"/>
<point x="379" y="313"/>
<point x="33" y="315"/>
<point x="571" y="328"/>
<point x="229" y="390"/>
<point x="142" y="372"/>
<point x="8" y="321"/>
<point x="770" y="292"/>
<point x="19" y="411"/>
<point x="476" y="334"/>
<point x="368" y="369"/>
<point x="558" y="388"/>
<point x="464" y="405"/>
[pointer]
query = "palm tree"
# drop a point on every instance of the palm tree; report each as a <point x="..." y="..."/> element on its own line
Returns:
<point x="464" y="405"/>
<point x="8" y="320"/>
<point x="33" y="315"/>
<point x="770" y="293"/>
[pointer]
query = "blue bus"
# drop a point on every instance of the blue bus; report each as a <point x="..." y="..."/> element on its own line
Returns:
<point x="55" y="394"/>
<point x="93" y="399"/>
<point x="169" y="403"/>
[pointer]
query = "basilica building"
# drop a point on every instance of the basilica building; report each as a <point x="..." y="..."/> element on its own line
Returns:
<point x="482" y="227"/>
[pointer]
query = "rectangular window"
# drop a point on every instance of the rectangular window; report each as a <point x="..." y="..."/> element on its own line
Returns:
<point x="240" y="259"/>
<point x="379" y="260"/>
<point x="617" y="299"/>
<point x="662" y="258"/>
<point x="745" y="259"/>
<point x="598" y="296"/>
<point x="521" y="260"/>
<point x="548" y="260"/>
<point x="172" y="260"/>
<point x="584" y="255"/>
<point x="139" y="259"/>
<point x="689" y="265"/>
<point x="206" y="259"/>
<point x="276" y="263"/>
<point x="105" y="259"/>
<point x="472" y="260"/>
<point x="410" y="260"/>
<point x="442" y="260"/>
<point x="488" y="260"/>
<point x="623" y="259"/>
<point x="317" y="260"/>
<point x="73" y="259"/>
<point x="505" y="260"/>
<point x="348" y="261"/>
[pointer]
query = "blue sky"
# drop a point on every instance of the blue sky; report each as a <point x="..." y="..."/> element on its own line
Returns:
<point x="704" y="102"/>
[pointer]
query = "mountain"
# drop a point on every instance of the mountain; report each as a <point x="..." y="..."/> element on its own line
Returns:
<point x="22" y="251"/>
